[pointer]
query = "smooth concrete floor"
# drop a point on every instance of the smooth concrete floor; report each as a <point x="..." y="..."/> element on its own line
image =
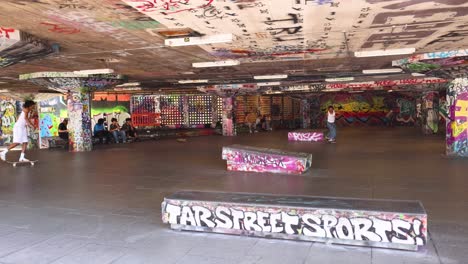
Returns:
<point x="104" y="206"/>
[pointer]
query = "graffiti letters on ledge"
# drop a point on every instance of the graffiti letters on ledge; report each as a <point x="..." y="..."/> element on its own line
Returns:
<point x="363" y="228"/>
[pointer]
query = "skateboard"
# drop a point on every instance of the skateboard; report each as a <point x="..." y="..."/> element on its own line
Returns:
<point x="15" y="163"/>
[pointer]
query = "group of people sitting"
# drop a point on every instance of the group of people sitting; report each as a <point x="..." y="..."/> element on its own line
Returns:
<point x="257" y="122"/>
<point x="118" y="133"/>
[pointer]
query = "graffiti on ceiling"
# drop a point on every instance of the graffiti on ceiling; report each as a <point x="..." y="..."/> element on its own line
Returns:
<point x="309" y="29"/>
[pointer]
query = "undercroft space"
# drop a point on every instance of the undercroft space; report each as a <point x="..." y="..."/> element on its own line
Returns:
<point x="233" y="131"/>
<point x="104" y="206"/>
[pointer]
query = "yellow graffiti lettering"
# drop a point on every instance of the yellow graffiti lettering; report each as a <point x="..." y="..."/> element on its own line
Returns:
<point x="463" y="111"/>
<point x="458" y="129"/>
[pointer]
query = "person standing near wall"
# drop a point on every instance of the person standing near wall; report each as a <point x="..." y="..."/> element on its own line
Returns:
<point x="63" y="130"/>
<point x="331" y="124"/>
<point x="20" y="132"/>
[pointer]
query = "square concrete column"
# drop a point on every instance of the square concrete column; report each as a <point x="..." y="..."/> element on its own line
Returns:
<point x="79" y="125"/>
<point x="457" y="121"/>
<point x="430" y="112"/>
<point x="229" y="127"/>
<point x="305" y="113"/>
<point x="214" y="110"/>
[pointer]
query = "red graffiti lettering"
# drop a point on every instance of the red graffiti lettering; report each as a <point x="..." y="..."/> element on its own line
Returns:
<point x="56" y="28"/>
<point x="167" y="7"/>
<point x="6" y="32"/>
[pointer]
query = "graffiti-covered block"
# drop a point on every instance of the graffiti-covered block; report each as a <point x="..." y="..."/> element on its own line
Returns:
<point x="306" y="135"/>
<point x="246" y="158"/>
<point x="362" y="222"/>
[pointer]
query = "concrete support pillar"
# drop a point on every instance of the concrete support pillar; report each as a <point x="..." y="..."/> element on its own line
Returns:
<point x="33" y="134"/>
<point x="305" y="113"/>
<point x="214" y="110"/>
<point x="79" y="126"/>
<point x="229" y="127"/>
<point x="457" y="121"/>
<point x="430" y="112"/>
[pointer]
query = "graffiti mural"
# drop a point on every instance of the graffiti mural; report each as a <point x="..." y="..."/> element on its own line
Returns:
<point x="106" y="110"/>
<point x="51" y="113"/>
<point x="253" y="159"/>
<point x="146" y="110"/>
<point x="7" y="119"/>
<point x="369" y="108"/>
<point x="300" y="218"/>
<point x="172" y="111"/>
<point x="457" y="122"/>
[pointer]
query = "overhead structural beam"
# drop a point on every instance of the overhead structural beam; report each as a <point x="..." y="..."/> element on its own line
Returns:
<point x="18" y="46"/>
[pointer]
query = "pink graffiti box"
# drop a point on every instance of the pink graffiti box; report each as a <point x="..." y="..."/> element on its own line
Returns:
<point x="306" y="135"/>
<point x="255" y="159"/>
<point x="396" y="224"/>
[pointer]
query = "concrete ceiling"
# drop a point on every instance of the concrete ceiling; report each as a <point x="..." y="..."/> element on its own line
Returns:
<point x="307" y="39"/>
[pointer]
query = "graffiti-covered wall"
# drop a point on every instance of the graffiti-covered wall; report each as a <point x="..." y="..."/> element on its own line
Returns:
<point x="457" y="122"/>
<point x="175" y="111"/>
<point x="367" y="108"/>
<point x="51" y="113"/>
<point x="8" y="109"/>
<point x="110" y="106"/>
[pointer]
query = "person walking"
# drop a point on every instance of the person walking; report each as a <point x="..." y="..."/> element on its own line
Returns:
<point x="331" y="124"/>
<point x="20" y="132"/>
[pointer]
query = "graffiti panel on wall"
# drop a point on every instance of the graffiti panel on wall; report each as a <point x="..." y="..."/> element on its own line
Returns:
<point x="172" y="111"/>
<point x="146" y="110"/>
<point x="370" y="108"/>
<point x="52" y="112"/>
<point x="457" y="124"/>
<point x="7" y="119"/>
<point x="110" y="106"/>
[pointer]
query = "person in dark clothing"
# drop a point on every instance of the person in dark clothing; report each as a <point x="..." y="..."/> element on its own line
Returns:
<point x="63" y="130"/>
<point x="101" y="132"/>
<point x="114" y="128"/>
<point x="129" y="129"/>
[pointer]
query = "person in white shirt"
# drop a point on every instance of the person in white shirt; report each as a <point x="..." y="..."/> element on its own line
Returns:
<point x="20" y="132"/>
<point x="331" y="124"/>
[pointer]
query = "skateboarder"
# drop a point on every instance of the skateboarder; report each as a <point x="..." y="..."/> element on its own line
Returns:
<point x="331" y="124"/>
<point x="20" y="131"/>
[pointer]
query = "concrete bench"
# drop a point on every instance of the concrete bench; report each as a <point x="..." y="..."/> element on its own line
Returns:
<point x="306" y="135"/>
<point x="56" y="142"/>
<point x="362" y="222"/>
<point x="246" y="158"/>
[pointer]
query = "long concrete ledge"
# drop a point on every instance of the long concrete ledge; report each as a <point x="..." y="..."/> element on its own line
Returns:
<point x="362" y="222"/>
<point x="246" y="158"/>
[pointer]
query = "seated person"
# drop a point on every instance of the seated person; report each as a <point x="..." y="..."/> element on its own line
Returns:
<point x="258" y="123"/>
<point x="116" y="132"/>
<point x="63" y="130"/>
<point x="101" y="132"/>
<point x="250" y="119"/>
<point x="129" y="129"/>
